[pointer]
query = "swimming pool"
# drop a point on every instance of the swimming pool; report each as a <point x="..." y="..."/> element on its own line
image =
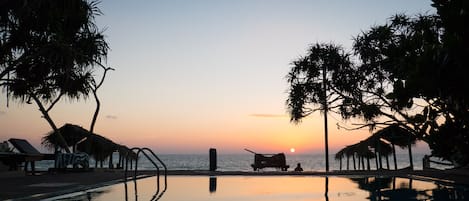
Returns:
<point x="272" y="188"/>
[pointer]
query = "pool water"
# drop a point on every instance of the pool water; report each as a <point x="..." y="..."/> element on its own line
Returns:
<point x="273" y="188"/>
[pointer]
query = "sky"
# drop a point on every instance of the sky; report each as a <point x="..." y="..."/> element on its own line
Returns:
<point x="193" y="75"/>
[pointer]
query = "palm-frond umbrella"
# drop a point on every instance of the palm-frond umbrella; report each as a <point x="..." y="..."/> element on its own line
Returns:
<point x="98" y="147"/>
<point x="71" y="133"/>
<point x="339" y="155"/>
<point x="399" y="136"/>
<point x="380" y="147"/>
<point x="125" y="153"/>
<point x="350" y="151"/>
<point x="363" y="150"/>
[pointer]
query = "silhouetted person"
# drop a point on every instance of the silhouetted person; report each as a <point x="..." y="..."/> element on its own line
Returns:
<point x="298" y="168"/>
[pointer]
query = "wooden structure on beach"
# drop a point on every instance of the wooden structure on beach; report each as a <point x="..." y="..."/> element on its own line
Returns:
<point x="269" y="160"/>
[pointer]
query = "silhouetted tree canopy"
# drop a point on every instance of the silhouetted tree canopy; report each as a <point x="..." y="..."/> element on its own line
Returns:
<point x="412" y="71"/>
<point x="306" y="79"/>
<point x="48" y="50"/>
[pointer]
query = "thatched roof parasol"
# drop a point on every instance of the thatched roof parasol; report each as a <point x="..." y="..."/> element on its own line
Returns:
<point x="71" y="133"/>
<point x="340" y="154"/>
<point x="125" y="151"/>
<point x="380" y="146"/>
<point x="397" y="135"/>
<point x="97" y="146"/>
<point x="361" y="149"/>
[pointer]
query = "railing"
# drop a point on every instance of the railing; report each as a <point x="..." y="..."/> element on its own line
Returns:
<point x="145" y="151"/>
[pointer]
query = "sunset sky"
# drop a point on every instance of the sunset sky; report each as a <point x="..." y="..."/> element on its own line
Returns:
<point x="191" y="75"/>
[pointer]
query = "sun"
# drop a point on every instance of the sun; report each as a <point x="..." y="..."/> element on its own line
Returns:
<point x="292" y="150"/>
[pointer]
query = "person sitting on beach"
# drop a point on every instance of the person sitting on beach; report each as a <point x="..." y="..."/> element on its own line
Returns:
<point x="298" y="168"/>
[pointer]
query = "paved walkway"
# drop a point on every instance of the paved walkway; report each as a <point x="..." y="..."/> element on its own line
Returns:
<point x="15" y="185"/>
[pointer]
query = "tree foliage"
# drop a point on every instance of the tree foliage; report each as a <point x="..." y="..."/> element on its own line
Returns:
<point x="48" y="50"/>
<point x="307" y="80"/>
<point x="411" y="71"/>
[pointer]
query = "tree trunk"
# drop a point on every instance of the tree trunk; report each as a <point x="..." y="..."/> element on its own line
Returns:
<point x="95" y="94"/>
<point x="51" y="123"/>
<point x="325" y="117"/>
<point x="96" y="112"/>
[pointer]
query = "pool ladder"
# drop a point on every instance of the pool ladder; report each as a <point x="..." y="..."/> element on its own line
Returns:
<point x="145" y="151"/>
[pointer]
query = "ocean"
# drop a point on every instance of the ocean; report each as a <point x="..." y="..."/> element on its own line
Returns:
<point x="242" y="162"/>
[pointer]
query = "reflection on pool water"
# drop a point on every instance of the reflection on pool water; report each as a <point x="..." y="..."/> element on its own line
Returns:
<point x="268" y="188"/>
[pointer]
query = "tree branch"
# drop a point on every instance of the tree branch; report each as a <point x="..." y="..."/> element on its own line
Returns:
<point x="50" y="121"/>
<point x="95" y="94"/>
<point x="55" y="101"/>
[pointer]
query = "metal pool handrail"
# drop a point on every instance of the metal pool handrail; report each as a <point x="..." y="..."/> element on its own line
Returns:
<point x="144" y="150"/>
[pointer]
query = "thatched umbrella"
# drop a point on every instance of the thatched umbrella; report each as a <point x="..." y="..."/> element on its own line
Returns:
<point x="348" y="151"/>
<point x="339" y="155"/>
<point x="71" y="133"/>
<point x="345" y="152"/>
<point x="381" y="149"/>
<point x="399" y="136"/>
<point x="124" y="151"/>
<point x="362" y="150"/>
<point x="98" y="147"/>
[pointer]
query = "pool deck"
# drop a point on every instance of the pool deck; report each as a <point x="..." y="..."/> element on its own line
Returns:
<point x="16" y="185"/>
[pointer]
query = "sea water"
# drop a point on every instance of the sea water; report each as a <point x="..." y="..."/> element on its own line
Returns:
<point x="242" y="162"/>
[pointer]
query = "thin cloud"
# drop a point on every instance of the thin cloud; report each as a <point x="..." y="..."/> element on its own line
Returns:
<point x="268" y="115"/>
<point x="111" y="117"/>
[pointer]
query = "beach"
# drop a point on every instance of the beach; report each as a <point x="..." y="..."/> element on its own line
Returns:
<point x="18" y="186"/>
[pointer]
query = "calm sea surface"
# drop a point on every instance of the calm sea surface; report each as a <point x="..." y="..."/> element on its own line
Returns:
<point x="242" y="162"/>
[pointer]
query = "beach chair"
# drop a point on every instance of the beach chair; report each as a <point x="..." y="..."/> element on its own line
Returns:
<point x="28" y="154"/>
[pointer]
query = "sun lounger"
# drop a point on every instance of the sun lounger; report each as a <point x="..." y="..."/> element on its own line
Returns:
<point x="28" y="154"/>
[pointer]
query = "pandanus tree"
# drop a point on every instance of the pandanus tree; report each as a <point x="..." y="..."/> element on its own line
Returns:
<point x="48" y="51"/>
<point x="311" y="79"/>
